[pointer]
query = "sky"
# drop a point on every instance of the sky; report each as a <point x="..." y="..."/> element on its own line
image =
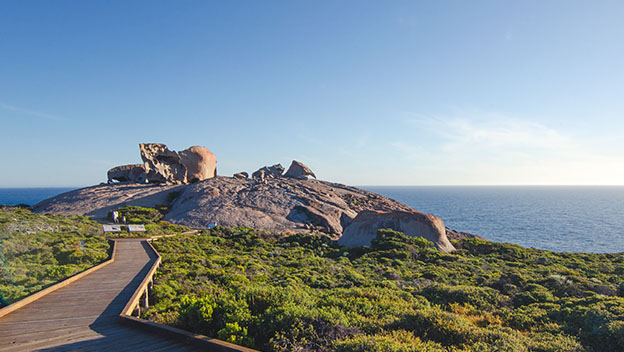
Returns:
<point x="363" y="92"/>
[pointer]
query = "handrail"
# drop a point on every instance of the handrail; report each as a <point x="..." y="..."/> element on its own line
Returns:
<point x="134" y="300"/>
<point x="46" y="291"/>
<point x="198" y="340"/>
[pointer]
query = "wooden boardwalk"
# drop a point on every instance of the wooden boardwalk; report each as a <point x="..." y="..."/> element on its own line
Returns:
<point x="83" y="316"/>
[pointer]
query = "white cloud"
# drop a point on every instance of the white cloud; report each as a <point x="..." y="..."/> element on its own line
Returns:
<point x="30" y="112"/>
<point x="487" y="148"/>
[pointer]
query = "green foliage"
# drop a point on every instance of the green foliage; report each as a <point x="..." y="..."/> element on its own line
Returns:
<point x="306" y="293"/>
<point x="36" y="250"/>
<point x="140" y="215"/>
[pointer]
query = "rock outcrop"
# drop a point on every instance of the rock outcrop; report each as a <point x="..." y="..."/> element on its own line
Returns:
<point x="97" y="201"/>
<point x="268" y="200"/>
<point x="127" y="173"/>
<point x="278" y="204"/>
<point x="363" y="229"/>
<point x="266" y="172"/>
<point x="299" y="170"/>
<point x="166" y="166"/>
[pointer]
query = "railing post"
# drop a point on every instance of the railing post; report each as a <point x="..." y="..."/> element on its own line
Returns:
<point x="146" y="303"/>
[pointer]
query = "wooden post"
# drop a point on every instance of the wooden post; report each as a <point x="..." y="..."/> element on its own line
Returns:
<point x="146" y="304"/>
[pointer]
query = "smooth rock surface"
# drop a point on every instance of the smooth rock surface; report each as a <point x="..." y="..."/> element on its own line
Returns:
<point x="97" y="201"/>
<point x="200" y="163"/>
<point x="363" y="229"/>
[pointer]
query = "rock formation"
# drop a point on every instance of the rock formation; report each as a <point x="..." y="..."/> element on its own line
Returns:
<point x="363" y="228"/>
<point x="127" y="173"/>
<point x="199" y="162"/>
<point x="266" y="172"/>
<point x="299" y="170"/>
<point x="162" y="165"/>
<point x="266" y="201"/>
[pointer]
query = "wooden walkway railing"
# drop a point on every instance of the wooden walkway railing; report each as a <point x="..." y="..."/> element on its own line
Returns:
<point x="141" y="295"/>
<point x="85" y="311"/>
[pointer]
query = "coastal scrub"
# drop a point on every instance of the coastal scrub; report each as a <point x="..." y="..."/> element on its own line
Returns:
<point x="305" y="293"/>
<point x="37" y="250"/>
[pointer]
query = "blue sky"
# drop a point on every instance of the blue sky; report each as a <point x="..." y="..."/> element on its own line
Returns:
<point x="363" y="92"/>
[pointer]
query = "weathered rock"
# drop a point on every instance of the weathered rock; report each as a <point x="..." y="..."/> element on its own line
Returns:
<point x="299" y="170"/>
<point x="161" y="164"/>
<point x="127" y="173"/>
<point x="241" y="175"/>
<point x="363" y="229"/>
<point x="200" y="163"/>
<point x="166" y="166"/>
<point x="278" y="204"/>
<point x="266" y="172"/>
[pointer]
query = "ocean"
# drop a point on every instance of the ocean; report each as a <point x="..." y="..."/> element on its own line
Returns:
<point x="557" y="218"/>
<point x="29" y="196"/>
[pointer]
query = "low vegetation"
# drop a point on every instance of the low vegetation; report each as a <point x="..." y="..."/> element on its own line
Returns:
<point x="37" y="250"/>
<point x="305" y="293"/>
<point x="151" y="218"/>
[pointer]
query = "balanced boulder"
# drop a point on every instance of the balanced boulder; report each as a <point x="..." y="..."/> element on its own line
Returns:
<point x="299" y="171"/>
<point x="363" y="229"/>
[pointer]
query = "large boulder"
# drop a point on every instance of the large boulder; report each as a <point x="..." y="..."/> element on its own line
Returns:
<point x="363" y="229"/>
<point x="127" y="173"/>
<point x="166" y="166"/>
<point x="200" y="163"/>
<point x="274" y="171"/>
<point x="299" y="171"/>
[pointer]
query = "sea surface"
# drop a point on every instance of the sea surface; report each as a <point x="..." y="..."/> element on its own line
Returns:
<point x="29" y="196"/>
<point x="558" y="218"/>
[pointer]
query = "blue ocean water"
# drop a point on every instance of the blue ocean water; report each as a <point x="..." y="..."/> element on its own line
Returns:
<point x="558" y="218"/>
<point x="29" y="196"/>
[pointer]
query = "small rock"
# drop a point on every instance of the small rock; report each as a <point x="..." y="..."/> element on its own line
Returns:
<point x="241" y="175"/>
<point x="274" y="171"/>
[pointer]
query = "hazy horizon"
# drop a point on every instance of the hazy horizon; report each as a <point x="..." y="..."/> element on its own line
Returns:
<point x="400" y="93"/>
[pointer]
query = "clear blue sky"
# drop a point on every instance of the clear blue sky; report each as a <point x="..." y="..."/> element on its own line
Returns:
<point x="364" y="92"/>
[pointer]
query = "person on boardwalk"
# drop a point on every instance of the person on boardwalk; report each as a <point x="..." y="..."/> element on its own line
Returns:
<point x="115" y="217"/>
